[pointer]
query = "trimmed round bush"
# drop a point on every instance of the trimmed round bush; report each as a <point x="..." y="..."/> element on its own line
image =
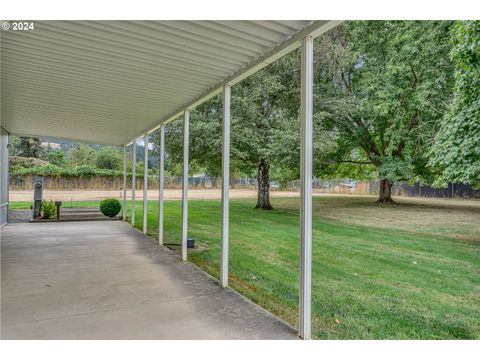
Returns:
<point x="110" y="207"/>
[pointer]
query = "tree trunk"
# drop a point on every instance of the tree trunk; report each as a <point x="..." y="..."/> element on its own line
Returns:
<point x="385" y="192"/>
<point x="263" y="198"/>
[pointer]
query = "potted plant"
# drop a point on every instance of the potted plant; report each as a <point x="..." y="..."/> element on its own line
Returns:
<point x="48" y="209"/>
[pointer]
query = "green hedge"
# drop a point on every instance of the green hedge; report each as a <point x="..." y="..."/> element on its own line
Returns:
<point x="77" y="171"/>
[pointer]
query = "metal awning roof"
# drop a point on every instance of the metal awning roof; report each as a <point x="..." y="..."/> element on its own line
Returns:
<point x="109" y="82"/>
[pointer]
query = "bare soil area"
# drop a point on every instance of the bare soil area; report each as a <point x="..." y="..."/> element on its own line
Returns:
<point x="454" y="218"/>
<point x="170" y="194"/>
<point x="457" y="218"/>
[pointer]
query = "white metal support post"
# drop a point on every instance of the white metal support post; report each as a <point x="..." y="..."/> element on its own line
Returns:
<point x="306" y="150"/>
<point x="225" y="184"/>
<point x="124" y="207"/>
<point x="145" y="183"/>
<point x="4" y="178"/>
<point x="186" y="124"/>
<point x="161" y="182"/>
<point x="134" y="167"/>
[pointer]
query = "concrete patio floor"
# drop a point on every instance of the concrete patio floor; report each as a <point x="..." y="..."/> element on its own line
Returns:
<point x="105" y="280"/>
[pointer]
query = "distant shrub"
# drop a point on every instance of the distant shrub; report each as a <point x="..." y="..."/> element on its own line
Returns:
<point x="42" y="170"/>
<point x="48" y="209"/>
<point x="83" y="171"/>
<point x="108" y="158"/>
<point x="110" y="207"/>
<point x="57" y="157"/>
<point x="19" y="161"/>
<point x="76" y="171"/>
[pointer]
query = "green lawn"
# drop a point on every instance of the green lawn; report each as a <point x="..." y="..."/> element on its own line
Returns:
<point x="375" y="275"/>
<point x="15" y="205"/>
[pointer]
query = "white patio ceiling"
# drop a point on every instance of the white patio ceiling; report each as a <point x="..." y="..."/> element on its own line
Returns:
<point x="112" y="81"/>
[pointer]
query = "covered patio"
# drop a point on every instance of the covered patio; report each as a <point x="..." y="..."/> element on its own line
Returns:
<point x="105" y="280"/>
<point x="114" y="82"/>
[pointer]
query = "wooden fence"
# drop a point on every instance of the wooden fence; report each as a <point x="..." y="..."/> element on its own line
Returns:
<point x="207" y="182"/>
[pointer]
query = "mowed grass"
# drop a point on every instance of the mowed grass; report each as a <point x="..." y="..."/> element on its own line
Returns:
<point x="380" y="281"/>
<point x="375" y="275"/>
<point x="22" y="205"/>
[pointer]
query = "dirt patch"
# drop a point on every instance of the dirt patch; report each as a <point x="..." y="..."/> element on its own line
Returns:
<point x="170" y="194"/>
<point x="455" y="218"/>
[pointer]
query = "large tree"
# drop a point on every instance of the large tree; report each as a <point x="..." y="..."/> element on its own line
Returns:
<point x="264" y="128"/>
<point x="28" y="147"/>
<point x="381" y="87"/>
<point x="265" y="124"/>
<point x="456" y="151"/>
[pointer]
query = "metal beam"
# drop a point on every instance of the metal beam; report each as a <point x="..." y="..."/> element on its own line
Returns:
<point x="134" y="166"/>
<point x="306" y="149"/>
<point x="225" y="184"/>
<point x="145" y="183"/>
<point x="124" y="208"/>
<point x="186" y="124"/>
<point x="161" y="182"/>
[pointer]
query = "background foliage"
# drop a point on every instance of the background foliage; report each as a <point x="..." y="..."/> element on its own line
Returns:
<point x="394" y="101"/>
<point x="456" y="152"/>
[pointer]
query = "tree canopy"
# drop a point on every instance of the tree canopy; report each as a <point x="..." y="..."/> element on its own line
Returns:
<point x="393" y="101"/>
<point x="264" y="128"/>
<point x="456" y="152"/>
<point x="381" y="87"/>
<point x="28" y="147"/>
